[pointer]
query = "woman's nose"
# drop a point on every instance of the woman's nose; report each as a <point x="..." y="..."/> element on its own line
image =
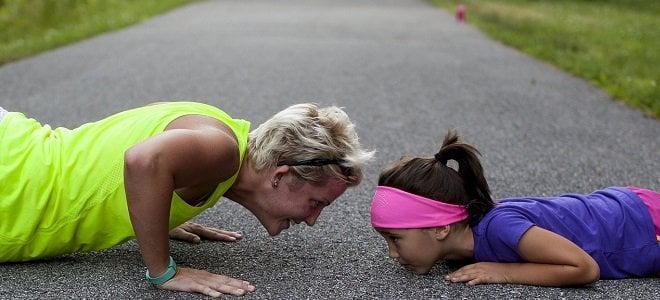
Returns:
<point x="311" y="219"/>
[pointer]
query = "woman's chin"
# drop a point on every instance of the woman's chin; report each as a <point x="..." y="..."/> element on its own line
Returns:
<point x="417" y="269"/>
<point x="276" y="229"/>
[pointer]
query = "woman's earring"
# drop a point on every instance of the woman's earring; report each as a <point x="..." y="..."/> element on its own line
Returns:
<point x="275" y="183"/>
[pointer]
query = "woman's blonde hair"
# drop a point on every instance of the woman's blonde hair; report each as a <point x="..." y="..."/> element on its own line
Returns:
<point x="317" y="143"/>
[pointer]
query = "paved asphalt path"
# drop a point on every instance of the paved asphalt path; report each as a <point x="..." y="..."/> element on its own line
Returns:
<point x="405" y="72"/>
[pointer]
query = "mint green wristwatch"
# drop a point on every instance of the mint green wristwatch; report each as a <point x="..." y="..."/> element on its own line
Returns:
<point x="167" y="275"/>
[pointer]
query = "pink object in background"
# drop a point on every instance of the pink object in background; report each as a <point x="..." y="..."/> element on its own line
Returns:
<point x="460" y="13"/>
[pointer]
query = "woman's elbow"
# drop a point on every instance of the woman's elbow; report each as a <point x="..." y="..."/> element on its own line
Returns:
<point x="137" y="161"/>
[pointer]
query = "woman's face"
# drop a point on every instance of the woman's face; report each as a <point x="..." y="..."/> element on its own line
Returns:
<point x="415" y="249"/>
<point x="296" y="201"/>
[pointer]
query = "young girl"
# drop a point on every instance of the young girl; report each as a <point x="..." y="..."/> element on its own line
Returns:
<point x="428" y="211"/>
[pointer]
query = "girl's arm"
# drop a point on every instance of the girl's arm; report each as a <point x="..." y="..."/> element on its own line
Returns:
<point x="156" y="167"/>
<point x="552" y="260"/>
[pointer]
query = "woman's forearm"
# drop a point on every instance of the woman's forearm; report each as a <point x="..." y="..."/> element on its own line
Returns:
<point x="149" y="193"/>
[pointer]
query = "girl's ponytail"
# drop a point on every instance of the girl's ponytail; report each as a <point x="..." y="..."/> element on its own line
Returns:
<point x="471" y="173"/>
<point x="432" y="178"/>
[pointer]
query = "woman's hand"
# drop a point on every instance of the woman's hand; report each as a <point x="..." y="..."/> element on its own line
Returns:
<point x="194" y="233"/>
<point x="203" y="282"/>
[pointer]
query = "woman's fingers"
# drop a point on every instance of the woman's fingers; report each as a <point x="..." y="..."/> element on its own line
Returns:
<point x="194" y="233"/>
<point x="211" y="233"/>
<point x="183" y="235"/>
<point x="228" y="285"/>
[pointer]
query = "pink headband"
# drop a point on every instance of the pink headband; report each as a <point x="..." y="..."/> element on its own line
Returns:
<point x="396" y="209"/>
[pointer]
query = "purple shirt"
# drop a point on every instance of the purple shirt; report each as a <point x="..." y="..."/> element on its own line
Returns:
<point x="612" y="225"/>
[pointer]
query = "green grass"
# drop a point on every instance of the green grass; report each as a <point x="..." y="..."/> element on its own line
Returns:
<point x="28" y="27"/>
<point x="614" y="44"/>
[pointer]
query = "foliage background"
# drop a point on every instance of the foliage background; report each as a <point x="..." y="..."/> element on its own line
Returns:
<point x="28" y="27"/>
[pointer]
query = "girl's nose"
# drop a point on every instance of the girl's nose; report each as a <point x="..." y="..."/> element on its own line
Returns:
<point x="393" y="253"/>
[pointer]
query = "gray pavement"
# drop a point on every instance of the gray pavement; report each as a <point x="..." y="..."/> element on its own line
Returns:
<point x="405" y="72"/>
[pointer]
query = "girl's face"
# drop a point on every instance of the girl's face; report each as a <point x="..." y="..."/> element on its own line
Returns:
<point x="415" y="249"/>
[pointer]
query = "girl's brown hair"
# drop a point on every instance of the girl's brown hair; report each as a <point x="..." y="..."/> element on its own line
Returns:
<point x="432" y="178"/>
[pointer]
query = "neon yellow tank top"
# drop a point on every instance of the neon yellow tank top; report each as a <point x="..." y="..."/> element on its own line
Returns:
<point x="62" y="190"/>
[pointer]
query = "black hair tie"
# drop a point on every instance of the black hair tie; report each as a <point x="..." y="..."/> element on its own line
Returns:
<point x="317" y="162"/>
<point x="439" y="158"/>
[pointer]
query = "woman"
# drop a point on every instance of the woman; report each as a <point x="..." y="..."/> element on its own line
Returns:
<point x="144" y="172"/>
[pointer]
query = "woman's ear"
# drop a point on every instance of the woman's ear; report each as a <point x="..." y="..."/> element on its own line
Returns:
<point x="277" y="175"/>
<point x="441" y="232"/>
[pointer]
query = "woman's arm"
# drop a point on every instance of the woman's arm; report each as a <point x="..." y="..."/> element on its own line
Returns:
<point x="154" y="168"/>
<point x="552" y="260"/>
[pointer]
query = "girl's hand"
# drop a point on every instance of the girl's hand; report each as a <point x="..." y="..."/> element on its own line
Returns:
<point x="194" y="233"/>
<point x="479" y="273"/>
<point x="203" y="282"/>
